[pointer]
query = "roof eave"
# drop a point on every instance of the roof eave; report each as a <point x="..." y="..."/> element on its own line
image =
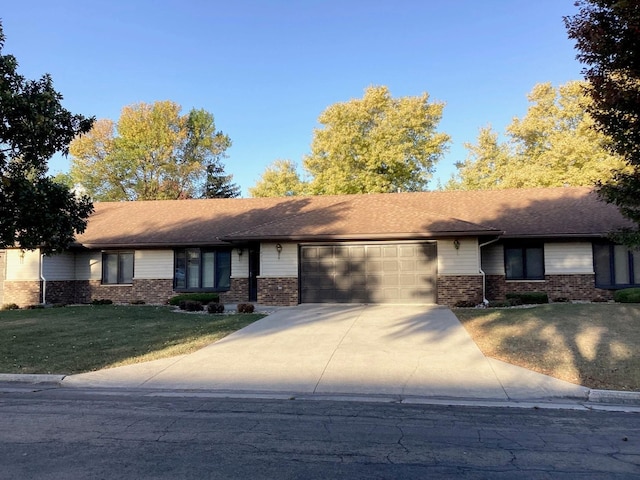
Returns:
<point x="359" y="237"/>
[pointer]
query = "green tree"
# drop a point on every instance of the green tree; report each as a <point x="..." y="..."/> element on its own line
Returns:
<point x="607" y="35"/>
<point x="376" y="144"/>
<point x="554" y="144"/>
<point x="153" y="152"/>
<point x="280" y="179"/>
<point x="35" y="211"/>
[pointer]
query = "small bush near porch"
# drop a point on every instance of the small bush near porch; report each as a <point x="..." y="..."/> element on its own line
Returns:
<point x="595" y="345"/>
<point x="86" y="338"/>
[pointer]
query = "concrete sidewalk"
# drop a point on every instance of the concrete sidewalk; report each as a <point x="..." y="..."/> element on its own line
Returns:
<point x="343" y="349"/>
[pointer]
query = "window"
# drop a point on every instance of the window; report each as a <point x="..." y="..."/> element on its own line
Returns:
<point x="202" y="269"/>
<point x="524" y="262"/>
<point x="117" y="268"/>
<point x="616" y="266"/>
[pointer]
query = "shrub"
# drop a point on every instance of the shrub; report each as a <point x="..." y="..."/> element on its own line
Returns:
<point x="499" y="304"/>
<point x="214" y="307"/>
<point x="192" y="306"/>
<point x="465" y="304"/>
<point x="246" y="308"/>
<point x="35" y="306"/>
<point x="10" y="306"/>
<point x="513" y="302"/>
<point x="101" y="301"/>
<point x="196" y="297"/>
<point x="529" y="297"/>
<point x="627" y="295"/>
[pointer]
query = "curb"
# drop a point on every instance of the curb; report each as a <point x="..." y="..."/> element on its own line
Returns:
<point x="614" y="397"/>
<point x="604" y="397"/>
<point x="31" y="379"/>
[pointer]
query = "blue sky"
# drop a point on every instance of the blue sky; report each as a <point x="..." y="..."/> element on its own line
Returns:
<point x="267" y="69"/>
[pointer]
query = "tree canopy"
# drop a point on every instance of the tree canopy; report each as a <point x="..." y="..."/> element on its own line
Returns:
<point x="280" y="179"/>
<point x="370" y="145"/>
<point x="607" y="36"/>
<point x="554" y="144"/>
<point x="376" y="144"/>
<point x="152" y="152"/>
<point x="35" y="211"/>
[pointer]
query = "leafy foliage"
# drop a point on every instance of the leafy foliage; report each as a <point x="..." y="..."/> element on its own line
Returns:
<point x="35" y="211"/>
<point x="197" y="297"/>
<point x="153" y="152"/>
<point x="607" y="38"/>
<point x="280" y="179"/>
<point x="529" y="297"/>
<point x="376" y="144"/>
<point x="554" y="144"/>
<point x="246" y="308"/>
<point x="627" y="295"/>
<point x="215" y="307"/>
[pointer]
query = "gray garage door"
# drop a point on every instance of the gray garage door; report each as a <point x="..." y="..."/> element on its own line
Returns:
<point x="368" y="273"/>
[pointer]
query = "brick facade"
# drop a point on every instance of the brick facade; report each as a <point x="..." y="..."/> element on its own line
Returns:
<point x="22" y="293"/>
<point x="281" y="291"/>
<point x="573" y="287"/>
<point x="151" y="291"/>
<point x="239" y="292"/>
<point x="459" y="288"/>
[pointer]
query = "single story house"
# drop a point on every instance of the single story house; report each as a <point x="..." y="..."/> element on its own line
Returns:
<point x="440" y="247"/>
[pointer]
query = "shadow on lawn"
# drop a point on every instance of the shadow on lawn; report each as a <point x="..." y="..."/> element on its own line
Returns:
<point x="595" y="345"/>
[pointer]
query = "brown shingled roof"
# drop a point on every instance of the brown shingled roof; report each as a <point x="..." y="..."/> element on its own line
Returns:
<point x="526" y="212"/>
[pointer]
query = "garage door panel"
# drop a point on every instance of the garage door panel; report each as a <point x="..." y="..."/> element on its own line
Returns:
<point x="371" y="273"/>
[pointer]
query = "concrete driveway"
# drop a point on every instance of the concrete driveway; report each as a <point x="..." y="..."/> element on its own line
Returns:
<point x="343" y="349"/>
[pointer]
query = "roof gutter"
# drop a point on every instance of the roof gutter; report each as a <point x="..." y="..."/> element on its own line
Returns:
<point x="358" y="236"/>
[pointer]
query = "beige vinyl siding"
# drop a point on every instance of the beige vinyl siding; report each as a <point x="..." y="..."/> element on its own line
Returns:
<point x="461" y="261"/>
<point x="493" y="259"/>
<point x="284" y="266"/>
<point x="239" y="263"/>
<point x="153" y="264"/>
<point x="60" y="267"/>
<point x="23" y="264"/>
<point x="568" y="258"/>
<point x="89" y="266"/>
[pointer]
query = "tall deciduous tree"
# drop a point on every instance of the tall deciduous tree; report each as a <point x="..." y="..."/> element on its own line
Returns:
<point x="376" y="144"/>
<point x="280" y="179"/>
<point x="153" y="152"/>
<point x="554" y="144"/>
<point x="35" y="211"/>
<point x="607" y="35"/>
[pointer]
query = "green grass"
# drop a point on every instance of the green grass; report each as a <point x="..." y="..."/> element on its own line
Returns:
<point x="595" y="345"/>
<point x="86" y="338"/>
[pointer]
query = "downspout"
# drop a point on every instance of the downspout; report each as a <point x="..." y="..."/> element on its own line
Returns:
<point x="484" y="276"/>
<point x="43" y="280"/>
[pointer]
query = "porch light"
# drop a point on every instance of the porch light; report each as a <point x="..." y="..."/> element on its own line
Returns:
<point x="456" y="244"/>
<point x="278" y="249"/>
<point x="240" y="251"/>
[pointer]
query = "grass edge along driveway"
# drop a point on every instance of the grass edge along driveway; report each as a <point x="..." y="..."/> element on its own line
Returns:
<point x="86" y="338"/>
<point x="596" y="345"/>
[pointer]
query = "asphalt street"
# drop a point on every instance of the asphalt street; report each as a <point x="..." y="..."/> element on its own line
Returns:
<point x="71" y="434"/>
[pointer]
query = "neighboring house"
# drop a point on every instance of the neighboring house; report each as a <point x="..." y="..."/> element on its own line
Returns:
<point x="427" y="247"/>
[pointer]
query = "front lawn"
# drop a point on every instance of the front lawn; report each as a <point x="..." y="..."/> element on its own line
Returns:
<point x="86" y="338"/>
<point x="595" y="345"/>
